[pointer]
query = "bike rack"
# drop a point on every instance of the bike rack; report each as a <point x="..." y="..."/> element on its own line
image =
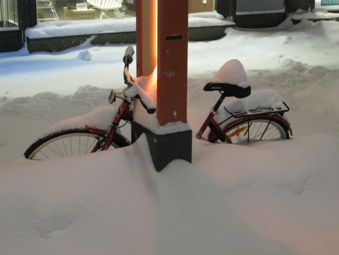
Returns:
<point x="258" y="111"/>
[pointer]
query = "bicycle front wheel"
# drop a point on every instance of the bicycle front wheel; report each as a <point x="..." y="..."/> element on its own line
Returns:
<point x="68" y="143"/>
<point x="256" y="129"/>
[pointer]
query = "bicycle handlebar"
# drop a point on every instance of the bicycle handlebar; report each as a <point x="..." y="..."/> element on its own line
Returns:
<point x="128" y="58"/>
<point x="134" y="91"/>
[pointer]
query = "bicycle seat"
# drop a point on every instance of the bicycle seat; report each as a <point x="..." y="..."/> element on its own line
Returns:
<point x="230" y="89"/>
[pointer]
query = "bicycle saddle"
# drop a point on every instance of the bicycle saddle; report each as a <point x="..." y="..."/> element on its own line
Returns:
<point x="230" y="89"/>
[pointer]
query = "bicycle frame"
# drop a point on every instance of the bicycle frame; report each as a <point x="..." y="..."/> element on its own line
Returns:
<point x="125" y="110"/>
<point x="248" y="118"/>
<point x="212" y="124"/>
<point x="124" y="113"/>
<point x="218" y="132"/>
<point x="260" y="123"/>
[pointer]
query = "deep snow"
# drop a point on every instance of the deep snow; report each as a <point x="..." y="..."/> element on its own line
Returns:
<point x="262" y="198"/>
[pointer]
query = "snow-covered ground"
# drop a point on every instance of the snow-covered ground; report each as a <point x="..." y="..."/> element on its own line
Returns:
<point x="262" y="198"/>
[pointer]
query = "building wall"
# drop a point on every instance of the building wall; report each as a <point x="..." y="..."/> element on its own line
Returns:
<point x="200" y="6"/>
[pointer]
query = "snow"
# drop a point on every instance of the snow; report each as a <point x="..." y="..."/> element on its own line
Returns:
<point x="264" y="99"/>
<point x="232" y="72"/>
<point x="261" y="198"/>
<point x="83" y="27"/>
<point x="67" y="28"/>
<point x="100" y="117"/>
<point x="319" y="14"/>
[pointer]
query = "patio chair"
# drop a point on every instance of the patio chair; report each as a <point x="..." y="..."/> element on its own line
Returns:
<point x="47" y="4"/>
<point x="105" y="5"/>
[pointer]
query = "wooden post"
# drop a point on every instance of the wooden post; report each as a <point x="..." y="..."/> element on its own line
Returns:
<point x="146" y="36"/>
<point x="172" y="61"/>
<point x="162" y="37"/>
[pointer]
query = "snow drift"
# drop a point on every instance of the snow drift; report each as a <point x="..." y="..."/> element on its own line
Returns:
<point x="262" y="198"/>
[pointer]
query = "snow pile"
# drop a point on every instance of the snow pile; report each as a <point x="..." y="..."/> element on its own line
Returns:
<point x="206" y="19"/>
<point x="83" y="27"/>
<point x="232" y="72"/>
<point x="85" y="55"/>
<point x="101" y="117"/>
<point x="278" y="198"/>
<point x="314" y="15"/>
<point x="266" y="99"/>
<point x="115" y="200"/>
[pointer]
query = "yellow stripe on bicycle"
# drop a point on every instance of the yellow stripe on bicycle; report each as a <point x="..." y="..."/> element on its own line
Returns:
<point x="238" y="131"/>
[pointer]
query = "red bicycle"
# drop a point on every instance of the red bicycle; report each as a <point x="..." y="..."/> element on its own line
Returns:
<point x="244" y="121"/>
<point x="89" y="139"/>
<point x="237" y="121"/>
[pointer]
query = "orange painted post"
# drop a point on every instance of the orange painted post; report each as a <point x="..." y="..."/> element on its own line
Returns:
<point x="146" y="24"/>
<point x="162" y="36"/>
<point x="172" y="61"/>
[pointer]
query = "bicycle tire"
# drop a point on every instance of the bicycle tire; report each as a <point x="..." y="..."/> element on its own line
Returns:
<point x="69" y="142"/>
<point x="256" y="128"/>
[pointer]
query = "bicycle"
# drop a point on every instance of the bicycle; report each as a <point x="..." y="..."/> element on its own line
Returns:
<point x="234" y="126"/>
<point x="90" y="139"/>
<point x="244" y="122"/>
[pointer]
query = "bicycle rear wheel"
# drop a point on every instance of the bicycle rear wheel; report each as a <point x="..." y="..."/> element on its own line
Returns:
<point x="255" y="128"/>
<point x="68" y="143"/>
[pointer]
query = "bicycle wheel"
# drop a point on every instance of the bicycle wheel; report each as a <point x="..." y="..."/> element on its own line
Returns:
<point x="67" y="143"/>
<point x="256" y="129"/>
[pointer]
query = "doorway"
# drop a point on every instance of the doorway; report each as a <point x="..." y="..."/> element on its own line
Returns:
<point x="10" y="34"/>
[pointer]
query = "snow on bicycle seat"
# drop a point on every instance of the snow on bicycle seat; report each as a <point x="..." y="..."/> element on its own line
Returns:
<point x="230" y="89"/>
<point x="232" y="79"/>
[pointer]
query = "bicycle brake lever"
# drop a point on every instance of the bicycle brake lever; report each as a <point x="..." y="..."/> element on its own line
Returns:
<point x="121" y="96"/>
<point x="112" y="96"/>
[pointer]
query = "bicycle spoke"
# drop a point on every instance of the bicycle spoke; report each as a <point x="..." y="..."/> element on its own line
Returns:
<point x="68" y="143"/>
<point x="72" y="144"/>
<point x="50" y="147"/>
<point x="256" y="130"/>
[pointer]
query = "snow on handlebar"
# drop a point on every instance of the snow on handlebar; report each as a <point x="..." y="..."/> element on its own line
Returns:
<point x="137" y="92"/>
<point x="134" y="90"/>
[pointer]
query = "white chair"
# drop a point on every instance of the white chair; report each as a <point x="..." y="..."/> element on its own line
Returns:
<point x="47" y="4"/>
<point x="105" y="5"/>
